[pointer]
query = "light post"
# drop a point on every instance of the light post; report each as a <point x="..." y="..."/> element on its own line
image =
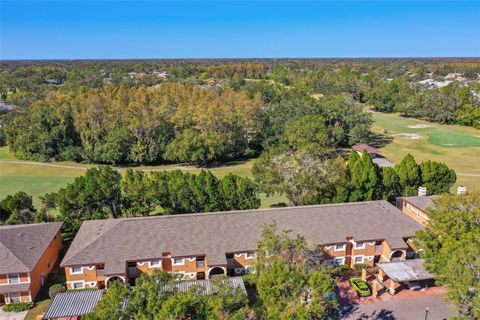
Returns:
<point x="426" y="313"/>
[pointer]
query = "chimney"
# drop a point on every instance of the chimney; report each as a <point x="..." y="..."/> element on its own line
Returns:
<point x="461" y="190"/>
<point x="422" y="191"/>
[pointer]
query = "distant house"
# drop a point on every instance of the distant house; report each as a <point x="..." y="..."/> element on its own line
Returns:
<point x="377" y="158"/>
<point x="374" y="153"/>
<point x="27" y="254"/>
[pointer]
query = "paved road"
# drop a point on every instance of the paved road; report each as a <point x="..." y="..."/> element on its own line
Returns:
<point x="405" y="309"/>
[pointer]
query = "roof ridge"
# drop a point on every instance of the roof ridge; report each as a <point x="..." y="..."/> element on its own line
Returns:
<point x="115" y="223"/>
<point x="200" y="214"/>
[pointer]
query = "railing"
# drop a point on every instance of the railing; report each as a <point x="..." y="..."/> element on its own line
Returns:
<point x="200" y="264"/>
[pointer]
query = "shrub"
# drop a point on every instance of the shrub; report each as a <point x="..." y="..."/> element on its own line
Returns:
<point x="360" y="266"/>
<point x="18" y="307"/>
<point x="54" y="289"/>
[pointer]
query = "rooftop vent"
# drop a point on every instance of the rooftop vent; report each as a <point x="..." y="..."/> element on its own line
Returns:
<point x="461" y="190"/>
<point x="422" y="191"/>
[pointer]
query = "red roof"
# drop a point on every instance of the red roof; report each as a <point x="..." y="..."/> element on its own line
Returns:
<point x="365" y="147"/>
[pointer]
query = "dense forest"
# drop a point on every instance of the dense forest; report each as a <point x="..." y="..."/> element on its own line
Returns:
<point x="206" y="111"/>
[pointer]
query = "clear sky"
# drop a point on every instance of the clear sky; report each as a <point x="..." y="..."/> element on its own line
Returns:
<point x="201" y="29"/>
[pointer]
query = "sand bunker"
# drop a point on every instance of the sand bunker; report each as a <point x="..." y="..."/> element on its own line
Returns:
<point x="408" y="135"/>
<point x="419" y="126"/>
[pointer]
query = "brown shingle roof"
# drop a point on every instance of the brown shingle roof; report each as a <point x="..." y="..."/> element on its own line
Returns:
<point x="21" y="246"/>
<point x="421" y="202"/>
<point x="113" y="242"/>
<point x="365" y="147"/>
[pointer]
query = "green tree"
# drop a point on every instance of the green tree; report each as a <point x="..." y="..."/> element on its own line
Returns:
<point x="95" y="195"/>
<point x="390" y="184"/>
<point x="292" y="282"/>
<point x="302" y="177"/>
<point x="409" y="174"/>
<point x="238" y="193"/>
<point x="17" y="209"/>
<point x="451" y="246"/>
<point x="365" y="180"/>
<point x="137" y="194"/>
<point x="437" y="177"/>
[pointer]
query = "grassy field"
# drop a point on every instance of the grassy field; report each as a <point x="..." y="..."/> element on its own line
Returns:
<point x="458" y="147"/>
<point x="37" y="180"/>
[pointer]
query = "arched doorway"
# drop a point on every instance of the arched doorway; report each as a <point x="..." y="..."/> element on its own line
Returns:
<point x="112" y="279"/>
<point x="396" y="255"/>
<point x="216" y="272"/>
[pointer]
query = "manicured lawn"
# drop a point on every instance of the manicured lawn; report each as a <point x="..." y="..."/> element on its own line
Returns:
<point x="37" y="180"/>
<point x="5" y="153"/>
<point x="39" y="309"/>
<point x="458" y="147"/>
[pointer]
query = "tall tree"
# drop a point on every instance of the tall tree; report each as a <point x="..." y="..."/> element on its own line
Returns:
<point x="95" y="195"/>
<point x="290" y="278"/>
<point x="451" y="247"/>
<point x="409" y="174"/>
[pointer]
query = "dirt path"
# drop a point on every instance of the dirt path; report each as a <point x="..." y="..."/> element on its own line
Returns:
<point x="45" y="164"/>
<point x="185" y="168"/>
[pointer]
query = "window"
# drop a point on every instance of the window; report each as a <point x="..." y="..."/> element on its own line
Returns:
<point x="15" y="297"/>
<point x="358" y="259"/>
<point x="251" y="255"/>
<point x="338" y="261"/>
<point x="340" y="247"/>
<point x="78" y="285"/>
<point x="155" y="263"/>
<point x="178" y="261"/>
<point x="14" y="278"/>
<point x="76" y="270"/>
<point x="360" y="245"/>
<point x="131" y="264"/>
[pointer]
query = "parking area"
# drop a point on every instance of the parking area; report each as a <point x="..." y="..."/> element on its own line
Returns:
<point x="347" y="296"/>
<point x="401" y="309"/>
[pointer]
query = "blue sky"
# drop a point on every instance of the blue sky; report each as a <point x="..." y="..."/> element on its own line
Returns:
<point x="201" y="29"/>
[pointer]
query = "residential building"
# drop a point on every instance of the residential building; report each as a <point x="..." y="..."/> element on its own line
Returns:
<point x="203" y="245"/>
<point x="377" y="158"/>
<point x="27" y="254"/>
<point x="371" y="151"/>
<point x="416" y="207"/>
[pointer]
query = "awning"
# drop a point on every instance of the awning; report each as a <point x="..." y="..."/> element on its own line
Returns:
<point x="407" y="270"/>
<point x="73" y="303"/>
<point x="19" y="287"/>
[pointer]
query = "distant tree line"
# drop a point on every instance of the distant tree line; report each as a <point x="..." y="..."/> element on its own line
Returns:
<point x="173" y="123"/>
<point x="452" y="104"/>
